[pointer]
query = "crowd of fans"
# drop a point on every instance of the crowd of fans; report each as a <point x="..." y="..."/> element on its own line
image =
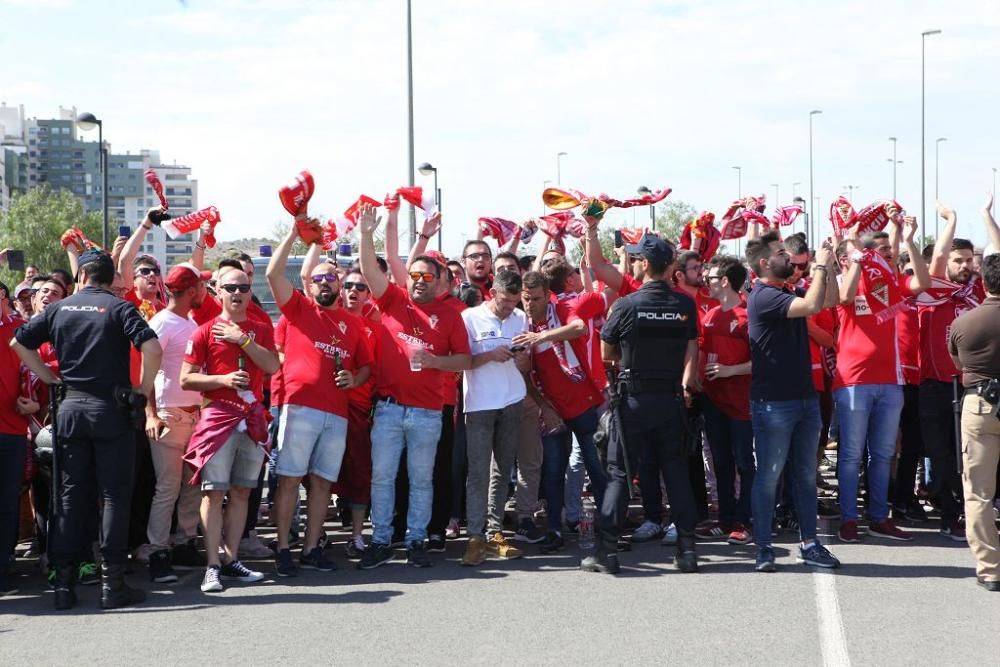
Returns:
<point x="437" y="393"/>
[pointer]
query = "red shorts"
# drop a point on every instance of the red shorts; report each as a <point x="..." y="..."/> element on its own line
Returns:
<point x="355" y="481"/>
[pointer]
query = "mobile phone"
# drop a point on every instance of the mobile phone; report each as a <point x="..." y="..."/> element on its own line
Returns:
<point x="265" y="251"/>
<point x="518" y="348"/>
<point x="15" y="260"/>
<point x="124" y="230"/>
<point x="618" y="239"/>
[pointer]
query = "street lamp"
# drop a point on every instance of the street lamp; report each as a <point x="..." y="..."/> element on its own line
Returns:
<point x="893" y="160"/>
<point x="923" y="131"/>
<point x="795" y="185"/>
<point x="894" y="163"/>
<point x="739" y="195"/>
<point x="409" y="110"/>
<point x="643" y="191"/>
<point x="559" y="166"/>
<point x="812" y="197"/>
<point x="427" y="169"/>
<point x="87" y="122"/>
<point x="937" y="157"/>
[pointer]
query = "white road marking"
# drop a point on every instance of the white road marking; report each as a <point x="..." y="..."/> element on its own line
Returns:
<point x="833" y="645"/>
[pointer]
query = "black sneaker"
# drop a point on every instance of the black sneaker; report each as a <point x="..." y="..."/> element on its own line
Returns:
<point x="816" y="554"/>
<point x="316" y="560"/>
<point x="827" y="509"/>
<point x="765" y="560"/>
<point x="435" y="544"/>
<point x="240" y="572"/>
<point x="573" y="527"/>
<point x="89" y="575"/>
<point x="552" y="542"/>
<point x="284" y="566"/>
<point x="528" y="532"/>
<point x="160" y="571"/>
<point x="355" y="548"/>
<point x="416" y="555"/>
<point x="375" y="555"/>
<point x="185" y="556"/>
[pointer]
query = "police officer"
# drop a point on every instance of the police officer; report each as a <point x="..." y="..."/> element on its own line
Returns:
<point x="975" y="345"/>
<point x="652" y="336"/>
<point x="90" y="332"/>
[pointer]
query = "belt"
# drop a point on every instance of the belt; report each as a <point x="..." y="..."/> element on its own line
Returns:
<point x="80" y="393"/>
<point x="387" y="399"/>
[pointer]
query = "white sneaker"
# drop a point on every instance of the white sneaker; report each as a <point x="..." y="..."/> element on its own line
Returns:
<point x="649" y="530"/>
<point x="212" y="583"/>
<point x="669" y="536"/>
<point x="252" y="548"/>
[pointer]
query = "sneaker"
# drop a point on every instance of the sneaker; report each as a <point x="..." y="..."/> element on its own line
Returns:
<point x="848" y="532"/>
<point x="765" y="560"/>
<point x="324" y="541"/>
<point x="647" y="532"/>
<point x="498" y="546"/>
<point x="991" y="585"/>
<point x="826" y="464"/>
<point x="355" y="548"/>
<point x="955" y="532"/>
<point x="240" y="572"/>
<point x="817" y="555"/>
<point x="915" y="512"/>
<point x="827" y="509"/>
<point x="669" y="536"/>
<point x="375" y="555"/>
<point x="160" y="571"/>
<point x="185" y="556"/>
<point x="435" y="544"/>
<point x="253" y="549"/>
<point x="573" y="527"/>
<point x="453" y="530"/>
<point x="284" y="565"/>
<point x="710" y="530"/>
<point x="89" y="574"/>
<point x="739" y="534"/>
<point x="552" y="543"/>
<point x="212" y="582"/>
<point x="416" y="555"/>
<point x="887" y="529"/>
<point x="316" y="560"/>
<point x="528" y="532"/>
<point x="475" y="551"/>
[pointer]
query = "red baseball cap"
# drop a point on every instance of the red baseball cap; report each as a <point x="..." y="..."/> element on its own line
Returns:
<point x="184" y="275"/>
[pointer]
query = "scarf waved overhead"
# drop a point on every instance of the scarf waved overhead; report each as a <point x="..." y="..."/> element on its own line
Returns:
<point x="504" y="230"/>
<point x="192" y="221"/>
<point x="562" y="199"/>
<point x="559" y="225"/>
<point x="154" y="182"/>
<point x="295" y="198"/>
<point x="737" y="218"/>
<point x="701" y="236"/>
<point x="878" y="214"/>
<point x="75" y="237"/>
<point x="568" y="362"/>
<point x="880" y="287"/>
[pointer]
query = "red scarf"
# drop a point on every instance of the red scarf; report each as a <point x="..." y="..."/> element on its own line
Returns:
<point x="568" y="362"/>
<point x="881" y="287"/>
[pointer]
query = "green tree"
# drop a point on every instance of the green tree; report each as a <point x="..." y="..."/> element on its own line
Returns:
<point x="34" y="223"/>
<point x="671" y="218"/>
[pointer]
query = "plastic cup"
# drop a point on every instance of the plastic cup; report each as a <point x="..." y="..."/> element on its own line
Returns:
<point x="415" y="364"/>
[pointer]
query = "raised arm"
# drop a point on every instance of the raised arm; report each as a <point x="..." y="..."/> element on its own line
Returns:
<point x="816" y="298"/>
<point x="309" y="262"/>
<point x="396" y="268"/>
<point x="198" y="256"/>
<point x="849" y="285"/>
<point x="368" y="223"/>
<point x="992" y="231"/>
<point x="131" y="249"/>
<point x="611" y="276"/>
<point x="281" y="287"/>
<point x="939" y="260"/>
<point x="921" y="280"/>
<point x="428" y="230"/>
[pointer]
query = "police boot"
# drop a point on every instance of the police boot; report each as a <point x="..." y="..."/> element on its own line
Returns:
<point x="604" y="558"/>
<point x="64" y="586"/>
<point x="687" y="559"/>
<point x="114" y="592"/>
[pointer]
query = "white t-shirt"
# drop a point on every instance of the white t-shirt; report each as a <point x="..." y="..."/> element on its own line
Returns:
<point x="173" y="332"/>
<point x="494" y="385"/>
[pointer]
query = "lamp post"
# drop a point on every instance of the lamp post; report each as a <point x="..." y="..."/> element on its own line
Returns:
<point x="427" y="169"/>
<point x="795" y="185"/>
<point x="893" y="160"/>
<point x="813" y="223"/>
<point x="739" y="195"/>
<point x="86" y="122"/>
<point x="923" y="130"/>
<point x="937" y="157"/>
<point x="409" y="107"/>
<point x="812" y="197"/>
<point x="559" y="156"/>
<point x="643" y="191"/>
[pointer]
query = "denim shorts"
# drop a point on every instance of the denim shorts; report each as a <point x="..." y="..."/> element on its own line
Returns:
<point x="237" y="463"/>
<point x="310" y="441"/>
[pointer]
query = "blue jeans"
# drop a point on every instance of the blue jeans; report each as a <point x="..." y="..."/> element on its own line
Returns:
<point x="785" y="431"/>
<point x="417" y="430"/>
<point x="555" y="456"/>
<point x="868" y="413"/>
<point x="731" y="443"/>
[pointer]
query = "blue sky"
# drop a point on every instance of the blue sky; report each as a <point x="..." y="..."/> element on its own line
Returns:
<point x="671" y="93"/>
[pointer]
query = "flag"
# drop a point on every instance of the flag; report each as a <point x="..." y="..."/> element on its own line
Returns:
<point x="154" y="182"/>
<point x="499" y="228"/>
<point x="188" y="223"/>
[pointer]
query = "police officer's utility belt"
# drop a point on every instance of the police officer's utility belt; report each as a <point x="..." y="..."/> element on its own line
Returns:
<point x="989" y="390"/>
<point x="636" y="383"/>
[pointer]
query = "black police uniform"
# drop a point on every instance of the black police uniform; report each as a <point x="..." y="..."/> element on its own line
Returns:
<point x="652" y="328"/>
<point x="90" y="332"/>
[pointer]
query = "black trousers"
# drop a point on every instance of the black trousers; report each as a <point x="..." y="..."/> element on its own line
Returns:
<point x="662" y="441"/>
<point x="12" y="452"/>
<point x="143" y="490"/>
<point x="937" y="420"/>
<point x="911" y="447"/>
<point x="96" y="450"/>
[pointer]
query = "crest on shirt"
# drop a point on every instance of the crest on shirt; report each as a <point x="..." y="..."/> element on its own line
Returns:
<point x="433" y="319"/>
<point x="732" y="325"/>
<point x="334" y="340"/>
<point x="342" y="325"/>
<point x="880" y="291"/>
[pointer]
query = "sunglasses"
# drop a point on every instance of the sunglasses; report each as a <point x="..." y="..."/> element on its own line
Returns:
<point x="233" y="289"/>
<point x="477" y="256"/>
<point x="147" y="270"/>
<point x="417" y="276"/>
<point x="801" y="266"/>
<point x="325" y="278"/>
<point x="361" y="287"/>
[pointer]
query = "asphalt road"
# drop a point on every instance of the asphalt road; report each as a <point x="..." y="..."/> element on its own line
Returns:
<point x="891" y="603"/>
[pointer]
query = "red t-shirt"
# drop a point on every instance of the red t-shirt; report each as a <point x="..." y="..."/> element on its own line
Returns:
<point x="827" y="321"/>
<point x="370" y="330"/>
<point x="629" y="284"/>
<point x="11" y="423"/>
<point x="221" y="358"/>
<point x="726" y="340"/>
<point x="592" y="307"/>
<point x="570" y="399"/>
<point x="867" y="352"/>
<point x="935" y="332"/>
<point x="704" y="302"/>
<point x="435" y="327"/>
<point x="908" y="330"/>
<point x="449" y="381"/>
<point x="278" y="379"/>
<point x="311" y="337"/>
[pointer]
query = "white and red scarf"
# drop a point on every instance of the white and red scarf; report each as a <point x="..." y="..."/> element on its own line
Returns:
<point x="568" y="361"/>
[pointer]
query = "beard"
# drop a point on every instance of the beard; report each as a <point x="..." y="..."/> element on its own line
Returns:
<point x="326" y="299"/>
<point x="783" y="271"/>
